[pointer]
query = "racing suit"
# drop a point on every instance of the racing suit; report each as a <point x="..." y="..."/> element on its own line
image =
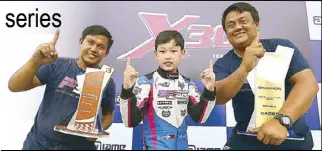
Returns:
<point x="163" y="101"/>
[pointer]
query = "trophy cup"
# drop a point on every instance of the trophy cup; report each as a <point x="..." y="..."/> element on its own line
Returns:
<point x="86" y="122"/>
<point x="267" y="81"/>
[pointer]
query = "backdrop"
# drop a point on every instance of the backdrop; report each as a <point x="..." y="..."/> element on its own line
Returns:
<point x="134" y="26"/>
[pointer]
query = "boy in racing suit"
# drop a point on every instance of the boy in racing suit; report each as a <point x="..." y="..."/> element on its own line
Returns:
<point x="164" y="97"/>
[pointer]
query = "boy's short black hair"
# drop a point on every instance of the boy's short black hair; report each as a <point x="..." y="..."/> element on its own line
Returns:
<point x="168" y="35"/>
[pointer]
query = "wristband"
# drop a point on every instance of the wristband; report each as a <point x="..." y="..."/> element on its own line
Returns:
<point x="240" y="76"/>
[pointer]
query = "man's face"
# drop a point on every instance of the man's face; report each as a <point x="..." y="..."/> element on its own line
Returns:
<point x="240" y="28"/>
<point x="169" y="56"/>
<point x="94" y="49"/>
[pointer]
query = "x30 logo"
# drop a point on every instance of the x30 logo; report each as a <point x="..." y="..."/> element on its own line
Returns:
<point x="156" y="22"/>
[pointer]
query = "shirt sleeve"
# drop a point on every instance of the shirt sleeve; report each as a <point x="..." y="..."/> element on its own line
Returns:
<point x="44" y="72"/>
<point x="134" y="101"/>
<point x="298" y="62"/>
<point x="108" y="100"/>
<point x="220" y="70"/>
<point x="200" y="105"/>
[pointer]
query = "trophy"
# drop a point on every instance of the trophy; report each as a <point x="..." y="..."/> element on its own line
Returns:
<point x="267" y="81"/>
<point x="86" y="122"/>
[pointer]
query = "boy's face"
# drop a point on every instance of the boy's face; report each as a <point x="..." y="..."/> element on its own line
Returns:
<point x="169" y="56"/>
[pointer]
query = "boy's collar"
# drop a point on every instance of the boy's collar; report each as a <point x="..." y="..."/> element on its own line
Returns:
<point x="167" y="75"/>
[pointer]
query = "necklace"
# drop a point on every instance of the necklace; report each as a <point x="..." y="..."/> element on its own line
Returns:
<point x="97" y="66"/>
<point x="237" y="54"/>
<point x="78" y="64"/>
<point x="238" y="59"/>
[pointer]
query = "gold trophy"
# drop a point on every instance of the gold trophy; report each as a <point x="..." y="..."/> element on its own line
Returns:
<point x="267" y="81"/>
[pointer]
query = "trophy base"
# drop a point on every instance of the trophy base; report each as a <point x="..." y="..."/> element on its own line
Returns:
<point x="65" y="130"/>
<point x="293" y="137"/>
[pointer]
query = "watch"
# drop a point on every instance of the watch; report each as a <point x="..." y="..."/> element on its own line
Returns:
<point x="285" y="120"/>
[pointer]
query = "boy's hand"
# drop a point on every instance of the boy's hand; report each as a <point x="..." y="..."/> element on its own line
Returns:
<point x="208" y="77"/>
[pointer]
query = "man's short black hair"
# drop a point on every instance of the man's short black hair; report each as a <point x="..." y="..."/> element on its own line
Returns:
<point x="240" y="7"/>
<point x="168" y="35"/>
<point x="98" y="30"/>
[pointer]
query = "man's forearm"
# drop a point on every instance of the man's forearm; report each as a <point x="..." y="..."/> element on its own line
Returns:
<point x="107" y="121"/>
<point x="299" y="100"/>
<point x="228" y="87"/>
<point x="22" y="79"/>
